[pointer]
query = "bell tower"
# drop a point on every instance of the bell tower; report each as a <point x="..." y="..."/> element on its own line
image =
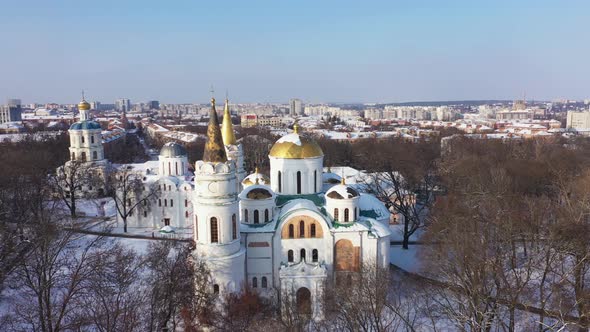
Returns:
<point x="216" y="225"/>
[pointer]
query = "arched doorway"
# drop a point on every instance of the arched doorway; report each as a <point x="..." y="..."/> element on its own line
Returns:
<point x="303" y="298"/>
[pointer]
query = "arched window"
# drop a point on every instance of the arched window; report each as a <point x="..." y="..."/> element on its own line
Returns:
<point x="314" y="255"/>
<point x="254" y="282"/>
<point x="214" y="230"/>
<point x="73" y="156"/>
<point x="186" y="203"/>
<point x="165" y="202"/>
<point x="186" y="214"/>
<point x="315" y="180"/>
<point x="312" y="230"/>
<point x="82" y="139"/>
<point x="234" y="227"/>
<point x="335" y="214"/>
<point x="196" y="227"/>
<point x="298" y="182"/>
<point x="83" y="156"/>
<point x="171" y="202"/>
<point x="355" y="215"/>
<point x="216" y="289"/>
<point x="264" y="283"/>
<point x="256" y="217"/>
<point x="290" y="256"/>
<point x="94" y="155"/>
<point x="301" y="228"/>
<point x="280" y="181"/>
<point x="176" y="168"/>
<point x="291" y="231"/>
<point x="159" y="202"/>
<point x="92" y="139"/>
<point x="246" y="215"/>
<point x="302" y="253"/>
<point x="346" y="214"/>
<point x="266" y="215"/>
<point x="169" y="169"/>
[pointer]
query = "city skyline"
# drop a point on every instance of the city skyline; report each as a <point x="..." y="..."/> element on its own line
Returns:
<point x="333" y="52"/>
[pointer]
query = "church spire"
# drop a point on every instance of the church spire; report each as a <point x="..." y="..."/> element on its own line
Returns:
<point x="214" y="150"/>
<point x="227" y="129"/>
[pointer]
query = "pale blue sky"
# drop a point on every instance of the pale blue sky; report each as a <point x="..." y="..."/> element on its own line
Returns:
<point x="270" y="51"/>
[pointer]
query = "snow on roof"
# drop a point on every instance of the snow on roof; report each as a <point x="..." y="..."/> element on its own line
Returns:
<point x="297" y="204"/>
<point x="341" y="191"/>
<point x="369" y="203"/>
<point x="167" y="229"/>
<point x="291" y="138"/>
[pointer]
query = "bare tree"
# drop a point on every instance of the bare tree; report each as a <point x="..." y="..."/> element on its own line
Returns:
<point x="129" y="192"/>
<point x="179" y="295"/>
<point x="114" y="295"/>
<point x="403" y="175"/>
<point x="73" y="181"/>
<point x="49" y="282"/>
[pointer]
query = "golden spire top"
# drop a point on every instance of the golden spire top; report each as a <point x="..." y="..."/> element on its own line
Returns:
<point x="83" y="105"/>
<point x="342" y="180"/>
<point x="256" y="170"/>
<point x="296" y="128"/>
<point x="227" y="129"/>
<point x="214" y="150"/>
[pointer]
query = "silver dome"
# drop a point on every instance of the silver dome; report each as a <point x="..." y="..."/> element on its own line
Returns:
<point x="172" y="150"/>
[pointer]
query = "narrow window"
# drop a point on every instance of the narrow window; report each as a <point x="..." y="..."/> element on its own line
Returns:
<point x="301" y="228"/>
<point x="280" y="181"/>
<point x="73" y="156"/>
<point x="315" y="180"/>
<point x="256" y="217"/>
<point x="266" y="215"/>
<point x="145" y="214"/>
<point x="176" y="168"/>
<point x="346" y="214"/>
<point x="169" y="187"/>
<point x="94" y="155"/>
<point x="264" y="283"/>
<point x="216" y="289"/>
<point x="298" y="182"/>
<point x="83" y="156"/>
<point x="171" y="203"/>
<point x="254" y="282"/>
<point x="302" y="253"/>
<point x="312" y="230"/>
<point x="92" y="139"/>
<point x="165" y="202"/>
<point x="246" y="215"/>
<point x="335" y="214"/>
<point x="291" y="231"/>
<point x="214" y="231"/>
<point x="355" y="215"/>
<point x="186" y="203"/>
<point x="234" y="227"/>
<point x="82" y="139"/>
<point x="186" y="214"/>
<point x="314" y="255"/>
<point x="290" y="256"/>
<point x="169" y="169"/>
<point x="159" y="202"/>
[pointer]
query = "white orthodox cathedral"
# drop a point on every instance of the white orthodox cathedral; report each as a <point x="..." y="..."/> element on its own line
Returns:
<point x="285" y="235"/>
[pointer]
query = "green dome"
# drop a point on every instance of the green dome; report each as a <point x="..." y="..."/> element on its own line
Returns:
<point x="85" y="125"/>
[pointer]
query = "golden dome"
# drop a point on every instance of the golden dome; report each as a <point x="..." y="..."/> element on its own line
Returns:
<point x="295" y="146"/>
<point x="83" y="105"/>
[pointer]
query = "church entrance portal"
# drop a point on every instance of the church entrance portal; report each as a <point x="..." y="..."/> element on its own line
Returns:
<point x="303" y="297"/>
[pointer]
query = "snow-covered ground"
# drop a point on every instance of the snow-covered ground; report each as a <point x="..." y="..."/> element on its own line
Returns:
<point x="397" y="233"/>
<point x="408" y="260"/>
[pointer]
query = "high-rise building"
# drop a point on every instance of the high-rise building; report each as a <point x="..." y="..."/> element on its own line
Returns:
<point x="578" y="120"/>
<point x="153" y="105"/>
<point x="11" y="112"/>
<point x="123" y="105"/>
<point x="295" y="107"/>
